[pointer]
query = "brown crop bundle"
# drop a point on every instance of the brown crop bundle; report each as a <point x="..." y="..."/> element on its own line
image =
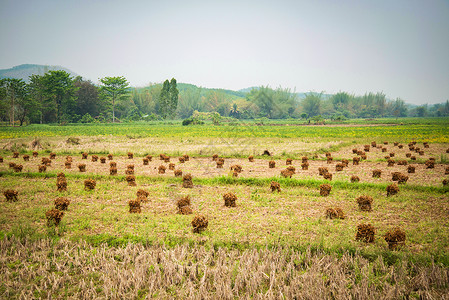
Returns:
<point x="385" y="143"/>
<point x="446" y="171"/>
<point x="1" y="159"/>
<point x="236" y="168"/>
<point x="171" y="166"/>
<point x="110" y="157"/>
<point x="84" y="155"/>
<point x="129" y="171"/>
<point x="328" y="154"/>
<point x="288" y="161"/>
<point x="392" y="189"/>
<point x="329" y="160"/>
<point x="327" y="176"/>
<point x="220" y="162"/>
<point x="402" y="162"/>
<point x="335" y="213"/>
<point x="413" y="157"/>
<point x="54" y="216"/>
<point x="186" y="157"/>
<point x="113" y="164"/>
<point x="89" y="184"/>
<point x="355" y="160"/>
<point x="408" y="155"/>
<point x="145" y="161"/>
<point x="130" y="155"/>
<point x="161" y="169"/>
<point x="292" y="169"/>
<point x="411" y="169"/>
<point x="184" y="201"/>
<point x="134" y="206"/>
<point x="304" y="159"/>
<point x="82" y="167"/>
<point x="18" y="168"/>
<point x="15" y="155"/>
<point x="103" y="160"/>
<point x="251" y="158"/>
<point x="52" y="155"/>
<point x="325" y="189"/>
<point x="445" y="181"/>
<point x="62" y="203"/>
<point x="395" y="238"/>
<point x="373" y="144"/>
<point x="275" y="186"/>
<point x="322" y="170"/>
<point x="305" y="165"/>
<point x="185" y="210"/>
<point x="354" y="150"/>
<point x="149" y="157"/>
<point x="395" y="176"/>
<point x="430" y="164"/>
<point x="199" y="223"/>
<point x="365" y="202"/>
<point x="42" y="168"/>
<point x="384" y="149"/>
<point x="229" y="199"/>
<point x="402" y="178"/>
<point x="181" y="160"/>
<point x="178" y="173"/>
<point x="339" y="167"/>
<point x="286" y="173"/>
<point x="215" y="157"/>
<point x="11" y="195"/>
<point x="365" y="233"/>
<point x="26" y="157"/>
<point x="112" y="171"/>
<point x="46" y="161"/>
<point x="377" y="173"/>
<point x="68" y="158"/>
<point x="142" y="195"/>
<point x="355" y="178"/>
<point x="187" y="181"/>
<point x="391" y="162"/>
<point x="271" y="164"/>
<point x="94" y="158"/>
<point x="366" y="148"/>
<point x="12" y="165"/>
<point x="35" y="153"/>
<point x="131" y="180"/>
<point x="345" y="162"/>
<point x="61" y="184"/>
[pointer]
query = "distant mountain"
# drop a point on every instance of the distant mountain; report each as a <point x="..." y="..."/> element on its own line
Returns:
<point x="26" y="70"/>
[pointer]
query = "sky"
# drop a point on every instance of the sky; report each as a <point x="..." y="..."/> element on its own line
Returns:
<point x="400" y="47"/>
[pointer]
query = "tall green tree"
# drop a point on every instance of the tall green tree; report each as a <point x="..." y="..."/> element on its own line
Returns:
<point x="14" y="96"/>
<point x="164" y="100"/>
<point x="87" y="98"/>
<point x="60" y="91"/>
<point x="173" y="96"/>
<point x="311" y="104"/>
<point x="115" y="88"/>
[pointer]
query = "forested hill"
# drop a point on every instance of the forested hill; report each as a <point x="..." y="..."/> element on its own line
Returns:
<point x="25" y="71"/>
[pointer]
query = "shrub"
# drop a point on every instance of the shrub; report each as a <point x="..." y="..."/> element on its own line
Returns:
<point x="288" y="161"/>
<point x="82" y="167"/>
<point x="335" y="213"/>
<point x="411" y="169"/>
<point x="395" y="238"/>
<point x="365" y="233"/>
<point x="103" y="160"/>
<point x="178" y="173"/>
<point x="26" y="157"/>
<point x="94" y="158"/>
<point x="355" y="161"/>
<point x="54" y="216"/>
<point x="161" y="169"/>
<point x="229" y="199"/>
<point x="43" y="168"/>
<point x="355" y="178"/>
<point x="199" y="223"/>
<point x="130" y="155"/>
<point x="171" y="166"/>
<point x="112" y="171"/>
<point x="251" y="158"/>
<point x="392" y="189"/>
<point x="305" y="165"/>
<point x="134" y="206"/>
<point x="11" y="195"/>
<point x="275" y="186"/>
<point x="131" y="180"/>
<point x="271" y="164"/>
<point x="364" y="202"/>
<point x="325" y="189"/>
<point x="187" y="181"/>
<point x="89" y="184"/>
<point x="84" y="155"/>
<point x="62" y="203"/>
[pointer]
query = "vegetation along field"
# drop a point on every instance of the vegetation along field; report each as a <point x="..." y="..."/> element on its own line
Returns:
<point x="356" y="209"/>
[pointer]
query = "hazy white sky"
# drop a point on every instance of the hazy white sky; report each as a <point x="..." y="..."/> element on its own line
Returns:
<point x="398" y="47"/>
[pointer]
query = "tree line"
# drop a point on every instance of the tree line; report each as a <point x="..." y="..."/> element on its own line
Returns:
<point x="56" y="97"/>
